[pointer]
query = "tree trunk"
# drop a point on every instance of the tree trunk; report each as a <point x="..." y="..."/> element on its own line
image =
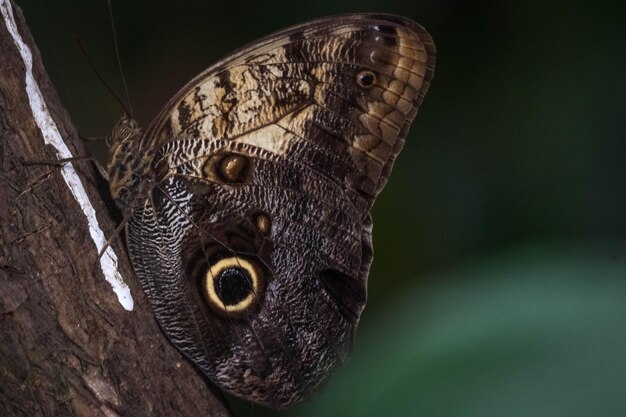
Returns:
<point x="69" y="346"/>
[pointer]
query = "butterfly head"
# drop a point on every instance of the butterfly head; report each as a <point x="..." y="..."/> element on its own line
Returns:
<point x="125" y="129"/>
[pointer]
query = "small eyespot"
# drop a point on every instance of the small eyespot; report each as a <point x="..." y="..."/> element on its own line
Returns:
<point x="385" y="29"/>
<point x="233" y="286"/>
<point x="262" y="222"/>
<point x="365" y="79"/>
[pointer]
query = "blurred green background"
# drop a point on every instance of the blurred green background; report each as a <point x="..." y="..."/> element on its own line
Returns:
<point x="498" y="286"/>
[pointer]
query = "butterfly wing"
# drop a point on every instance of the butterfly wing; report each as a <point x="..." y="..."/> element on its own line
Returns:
<point x="255" y="244"/>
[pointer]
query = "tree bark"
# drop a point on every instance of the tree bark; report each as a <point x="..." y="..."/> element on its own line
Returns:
<point x="67" y="346"/>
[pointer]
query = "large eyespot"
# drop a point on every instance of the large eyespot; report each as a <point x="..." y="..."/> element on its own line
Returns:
<point x="233" y="285"/>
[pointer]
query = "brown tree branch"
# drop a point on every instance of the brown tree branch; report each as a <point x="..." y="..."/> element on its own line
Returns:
<point x="68" y="347"/>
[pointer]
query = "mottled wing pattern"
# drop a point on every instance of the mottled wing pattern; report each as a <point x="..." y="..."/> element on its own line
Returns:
<point x="273" y="157"/>
<point x="297" y="94"/>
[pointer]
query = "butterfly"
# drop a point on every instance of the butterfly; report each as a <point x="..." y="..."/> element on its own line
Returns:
<point x="247" y="200"/>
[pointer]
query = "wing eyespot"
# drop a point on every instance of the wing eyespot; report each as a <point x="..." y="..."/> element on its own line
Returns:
<point x="227" y="168"/>
<point x="233" y="168"/>
<point x="385" y="29"/>
<point x="233" y="286"/>
<point x="365" y="79"/>
<point x="262" y="222"/>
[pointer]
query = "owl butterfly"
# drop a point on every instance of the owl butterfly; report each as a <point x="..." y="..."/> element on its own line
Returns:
<point x="248" y="198"/>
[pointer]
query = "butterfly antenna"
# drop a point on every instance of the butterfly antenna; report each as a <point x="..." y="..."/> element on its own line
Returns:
<point x="119" y="61"/>
<point x="93" y="68"/>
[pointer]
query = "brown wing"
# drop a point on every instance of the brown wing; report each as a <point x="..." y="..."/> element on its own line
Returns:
<point x="264" y="170"/>
<point x="337" y="95"/>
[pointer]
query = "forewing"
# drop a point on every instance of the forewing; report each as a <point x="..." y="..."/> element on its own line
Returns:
<point x="337" y="95"/>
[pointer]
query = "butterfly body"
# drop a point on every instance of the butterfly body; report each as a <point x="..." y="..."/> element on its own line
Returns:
<point x="130" y="176"/>
<point x="249" y="198"/>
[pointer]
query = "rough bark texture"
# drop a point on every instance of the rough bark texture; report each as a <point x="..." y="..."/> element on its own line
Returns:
<point x="67" y="347"/>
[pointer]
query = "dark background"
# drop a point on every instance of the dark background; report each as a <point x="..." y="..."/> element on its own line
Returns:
<point x="498" y="286"/>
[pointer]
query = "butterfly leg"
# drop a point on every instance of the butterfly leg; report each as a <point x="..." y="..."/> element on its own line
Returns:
<point x="58" y="164"/>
